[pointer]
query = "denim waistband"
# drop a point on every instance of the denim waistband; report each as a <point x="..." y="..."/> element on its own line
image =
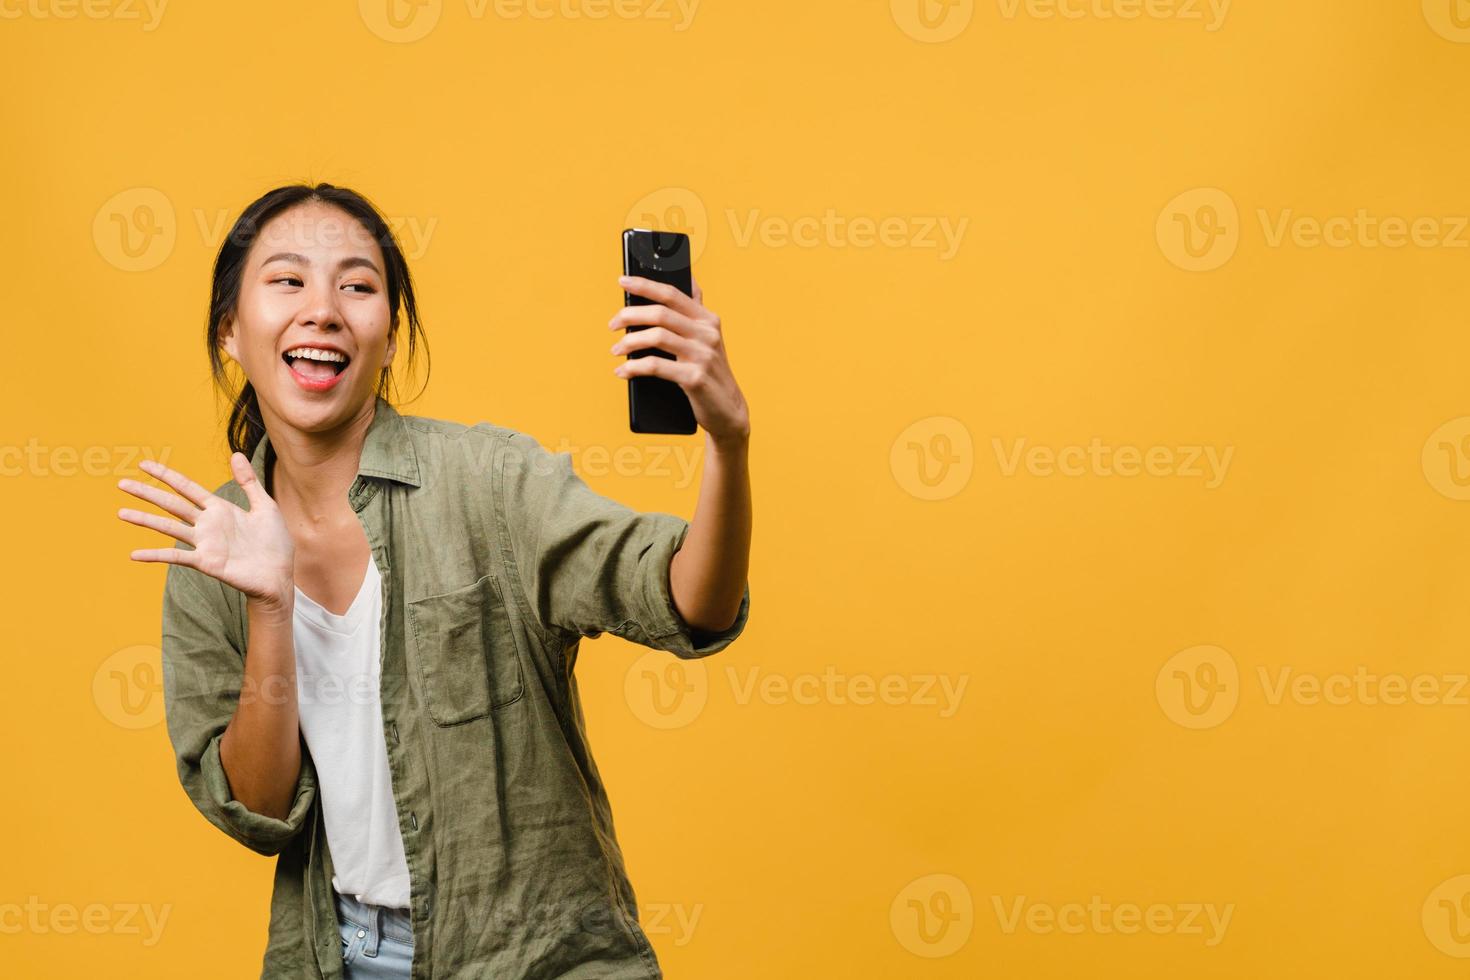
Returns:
<point x="378" y="920"/>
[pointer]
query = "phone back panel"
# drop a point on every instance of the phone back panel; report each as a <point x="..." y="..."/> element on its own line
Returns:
<point x="657" y="404"/>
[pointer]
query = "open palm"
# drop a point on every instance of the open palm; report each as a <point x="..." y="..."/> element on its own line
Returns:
<point x="251" y="550"/>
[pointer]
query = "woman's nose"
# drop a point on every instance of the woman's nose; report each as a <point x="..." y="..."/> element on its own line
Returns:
<point x="320" y="308"/>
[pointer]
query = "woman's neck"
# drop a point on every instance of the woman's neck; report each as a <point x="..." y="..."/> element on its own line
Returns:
<point x="313" y="471"/>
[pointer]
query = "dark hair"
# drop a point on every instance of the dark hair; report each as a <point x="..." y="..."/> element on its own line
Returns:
<point x="245" y="425"/>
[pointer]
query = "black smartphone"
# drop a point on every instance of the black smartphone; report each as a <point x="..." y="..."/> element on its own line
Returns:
<point x="657" y="404"/>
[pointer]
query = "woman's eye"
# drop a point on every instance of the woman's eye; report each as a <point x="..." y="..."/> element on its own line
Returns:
<point x="295" y="281"/>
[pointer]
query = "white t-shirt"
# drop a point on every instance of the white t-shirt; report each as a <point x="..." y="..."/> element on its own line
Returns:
<point x="338" y="695"/>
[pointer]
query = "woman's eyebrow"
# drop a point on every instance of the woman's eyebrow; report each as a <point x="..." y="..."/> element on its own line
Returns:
<point x="350" y="262"/>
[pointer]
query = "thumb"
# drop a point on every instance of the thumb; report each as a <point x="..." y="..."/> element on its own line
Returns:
<point x="245" y="476"/>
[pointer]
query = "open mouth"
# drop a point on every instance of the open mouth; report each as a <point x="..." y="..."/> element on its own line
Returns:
<point x="315" y="365"/>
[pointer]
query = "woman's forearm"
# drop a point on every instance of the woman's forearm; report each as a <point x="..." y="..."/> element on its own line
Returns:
<point x="261" y="747"/>
<point x="707" y="575"/>
<point x="709" y="571"/>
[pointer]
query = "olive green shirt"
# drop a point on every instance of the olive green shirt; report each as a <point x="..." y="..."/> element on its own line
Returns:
<point x="496" y="559"/>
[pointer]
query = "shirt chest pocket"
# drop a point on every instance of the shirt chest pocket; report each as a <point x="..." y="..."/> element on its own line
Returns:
<point x="465" y="652"/>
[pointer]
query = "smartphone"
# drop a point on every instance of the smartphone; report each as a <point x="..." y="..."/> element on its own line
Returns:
<point x="657" y="404"/>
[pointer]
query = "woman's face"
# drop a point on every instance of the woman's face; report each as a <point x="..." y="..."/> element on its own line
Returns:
<point x="312" y="329"/>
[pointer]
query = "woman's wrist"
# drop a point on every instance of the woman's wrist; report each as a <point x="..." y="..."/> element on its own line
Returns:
<point x="731" y="444"/>
<point x="279" y="604"/>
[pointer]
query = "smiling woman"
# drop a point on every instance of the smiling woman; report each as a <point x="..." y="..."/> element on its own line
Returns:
<point x="326" y="247"/>
<point x="443" y="575"/>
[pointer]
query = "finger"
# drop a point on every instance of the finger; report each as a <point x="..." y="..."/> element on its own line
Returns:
<point x="190" y="490"/>
<point x="656" y="367"/>
<point x="698" y="293"/>
<point x="654" y="316"/>
<point x="174" y="556"/>
<point x="245" y="476"/>
<point x="661" y="292"/>
<point x="660" y="338"/>
<point x="174" y="529"/>
<point x="169" y="502"/>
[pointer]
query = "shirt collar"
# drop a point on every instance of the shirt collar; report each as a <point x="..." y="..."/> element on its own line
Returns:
<point x="387" y="450"/>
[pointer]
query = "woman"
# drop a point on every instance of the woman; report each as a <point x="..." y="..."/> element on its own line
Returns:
<point x="405" y="595"/>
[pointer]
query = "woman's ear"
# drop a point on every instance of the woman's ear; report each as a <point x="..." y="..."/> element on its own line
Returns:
<point x="392" y="346"/>
<point x="227" y="337"/>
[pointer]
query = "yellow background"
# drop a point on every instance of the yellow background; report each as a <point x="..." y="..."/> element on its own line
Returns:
<point x="822" y="839"/>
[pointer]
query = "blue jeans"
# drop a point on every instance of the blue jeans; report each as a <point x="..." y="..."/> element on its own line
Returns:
<point x="377" y="942"/>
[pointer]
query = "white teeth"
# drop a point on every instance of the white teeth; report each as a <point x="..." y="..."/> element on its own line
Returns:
<point x="316" y="354"/>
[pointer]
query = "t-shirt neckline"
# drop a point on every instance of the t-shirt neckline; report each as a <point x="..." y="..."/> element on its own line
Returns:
<point x="348" y="621"/>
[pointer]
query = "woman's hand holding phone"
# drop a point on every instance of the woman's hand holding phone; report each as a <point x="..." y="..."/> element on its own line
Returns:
<point x="682" y="326"/>
<point x="250" y="550"/>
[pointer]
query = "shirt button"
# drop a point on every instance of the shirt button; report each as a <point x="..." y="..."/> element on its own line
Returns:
<point x="393" y="727"/>
<point x="360" y="934"/>
<point x="413" y="821"/>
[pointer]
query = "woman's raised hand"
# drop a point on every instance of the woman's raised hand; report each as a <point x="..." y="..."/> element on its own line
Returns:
<point x="250" y="550"/>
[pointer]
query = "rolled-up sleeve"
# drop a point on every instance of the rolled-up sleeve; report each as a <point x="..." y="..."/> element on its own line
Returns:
<point x="587" y="564"/>
<point x="203" y="668"/>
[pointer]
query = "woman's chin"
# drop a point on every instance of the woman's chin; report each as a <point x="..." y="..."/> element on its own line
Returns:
<point x="308" y="410"/>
